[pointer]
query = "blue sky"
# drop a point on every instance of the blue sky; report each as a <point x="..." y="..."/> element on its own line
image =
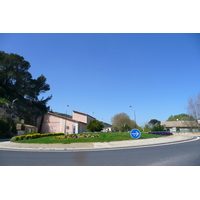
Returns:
<point x="106" y="73"/>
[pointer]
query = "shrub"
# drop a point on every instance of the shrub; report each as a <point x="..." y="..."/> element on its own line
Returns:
<point x="7" y="128"/>
<point x="158" y="127"/>
<point x="95" y="125"/>
<point x="13" y="139"/>
<point x="30" y="133"/>
<point x="33" y="136"/>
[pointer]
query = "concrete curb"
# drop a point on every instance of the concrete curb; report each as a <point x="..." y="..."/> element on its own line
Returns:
<point x="95" y="146"/>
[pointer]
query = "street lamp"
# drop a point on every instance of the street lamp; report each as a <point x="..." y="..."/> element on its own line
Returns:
<point x="66" y="121"/>
<point x="134" y="115"/>
<point x="14" y="101"/>
<point x="66" y="109"/>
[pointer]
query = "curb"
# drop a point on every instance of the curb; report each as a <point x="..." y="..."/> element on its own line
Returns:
<point x="101" y="146"/>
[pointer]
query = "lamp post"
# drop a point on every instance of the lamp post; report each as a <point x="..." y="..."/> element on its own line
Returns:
<point x="14" y="101"/>
<point x="66" y="109"/>
<point x="66" y="121"/>
<point x="134" y="115"/>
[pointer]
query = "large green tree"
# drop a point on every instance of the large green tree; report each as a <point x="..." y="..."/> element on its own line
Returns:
<point x="122" y="122"/>
<point x="179" y="117"/>
<point x="153" y="122"/>
<point x="19" y="91"/>
<point x="95" y="125"/>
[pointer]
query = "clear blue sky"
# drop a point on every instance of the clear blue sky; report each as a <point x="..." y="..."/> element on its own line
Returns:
<point x="106" y="73"/>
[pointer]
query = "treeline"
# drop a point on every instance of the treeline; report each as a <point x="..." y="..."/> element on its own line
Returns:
<point x="19" y="91"/>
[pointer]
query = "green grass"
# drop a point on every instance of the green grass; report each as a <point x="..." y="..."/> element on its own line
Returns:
<point x="104" y="137"/>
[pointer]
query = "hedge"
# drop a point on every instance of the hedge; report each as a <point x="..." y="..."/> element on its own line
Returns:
<point x="33" y="136"/>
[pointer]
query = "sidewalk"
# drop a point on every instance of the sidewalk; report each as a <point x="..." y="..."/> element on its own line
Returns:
<point x="97" y="145"/>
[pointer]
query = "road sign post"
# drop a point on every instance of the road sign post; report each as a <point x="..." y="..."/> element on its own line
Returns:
<point x="135" y="133"/>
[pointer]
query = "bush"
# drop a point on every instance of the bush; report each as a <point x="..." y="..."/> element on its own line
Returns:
<point x="158" y="127"/>
<point x="94" y="126"/>
<point x="30" y="133"/>
<point x="33" y="136"/>
<point x="5" y="130"/>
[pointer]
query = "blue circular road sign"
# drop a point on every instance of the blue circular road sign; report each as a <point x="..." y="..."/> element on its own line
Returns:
<point x="135" y="133"/>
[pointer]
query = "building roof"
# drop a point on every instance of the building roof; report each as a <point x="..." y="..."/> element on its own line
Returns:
<point x="181" y="124"/>
<point x="30" y="126"/>
<point x="63" y="117"/>
<point x="83" y="114"/>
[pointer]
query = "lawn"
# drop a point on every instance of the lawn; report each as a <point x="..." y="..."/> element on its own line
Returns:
<point x="104" y="137"/>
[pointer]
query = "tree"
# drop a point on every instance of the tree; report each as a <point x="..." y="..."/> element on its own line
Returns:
<point x="179" y="117"/>
<point x="7" y="129"/>
<point x="122" y="122"/>
<point x="158" y="127"/>
<point x="154" y="125"/>
<point x="125" y="128"/>
<point x="14" y="76"/>
<point x="193" y="107"/>
<point x="145" y="127"/>
<point x="94" y="126"/>
<point x="17" y="82"/>
<point x="193" y="110"/>
<point x="153" y="122"/>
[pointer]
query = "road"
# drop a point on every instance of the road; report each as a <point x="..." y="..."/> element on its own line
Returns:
<point x="181" y="154"/>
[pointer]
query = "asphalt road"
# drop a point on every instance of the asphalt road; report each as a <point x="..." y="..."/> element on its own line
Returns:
<point x="181" y="154"/>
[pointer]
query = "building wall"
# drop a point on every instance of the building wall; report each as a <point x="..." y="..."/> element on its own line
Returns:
<point x="82" y="128"/>
<point x="56" y="124"/>
<point x="79" y="117"/>
<point x="89" y="119"/>
<point x="51" y="124"/>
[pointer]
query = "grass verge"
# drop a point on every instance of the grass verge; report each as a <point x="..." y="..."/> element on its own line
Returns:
<point x="104" y="137"/>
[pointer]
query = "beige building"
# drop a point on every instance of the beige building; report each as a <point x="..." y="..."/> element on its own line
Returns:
<point x="27" y="129"/>
<point x="180" y="125"/>
<point x="55" y="123"/>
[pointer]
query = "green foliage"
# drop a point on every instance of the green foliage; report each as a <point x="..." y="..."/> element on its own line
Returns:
<point x="33" y="136"/>
<point x="95" y="125"/>
<point x="4" y="128"/>
<point x="141" y="129"/>
<point x="153" y="122"/>
<point x="17" y="82"/>
<point x="122" y="122"/>
<point x="125" y="128"/>
<point x="158" y="127"/>
<point x="7" y="128"/>
<point x="4" y="102"/>
<point x="146" y="128"/>
<point x="178" y="117"/>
